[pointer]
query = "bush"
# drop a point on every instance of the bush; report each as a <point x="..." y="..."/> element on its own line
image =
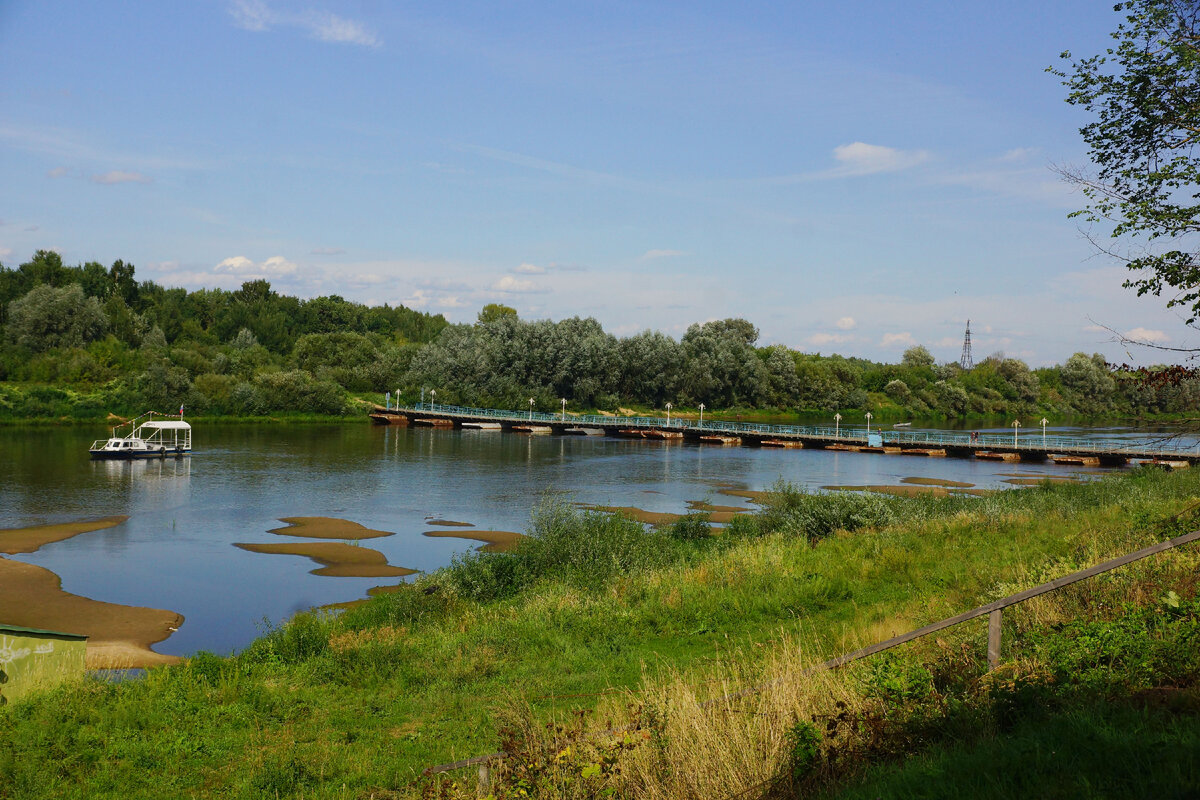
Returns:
<point x="794" y="512"/>
<point x="691" y="527"/>
<point x="585" y="549"/>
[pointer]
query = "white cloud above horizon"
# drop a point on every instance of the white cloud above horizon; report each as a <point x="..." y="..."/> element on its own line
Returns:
<point x="1138" y="335"/>
<point x="258" y="17"/>
<point x="846" y="323"/>
<point x="242" y="266"/>
<point x="510" y="285"/>
<point x="529" y="269"/>
<point x="902" y="339"/>
<point x="651" y="254"/>
<point x="116" y="176"/>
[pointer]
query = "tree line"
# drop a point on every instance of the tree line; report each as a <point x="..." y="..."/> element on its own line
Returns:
<point x="85" y="340"/>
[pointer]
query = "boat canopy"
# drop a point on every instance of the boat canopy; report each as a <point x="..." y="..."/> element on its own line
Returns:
<point x="167" y="424"/>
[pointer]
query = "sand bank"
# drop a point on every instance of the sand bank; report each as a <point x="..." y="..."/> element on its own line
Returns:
<point x="326" y="528"/>
<point x="494" y="541"/>
<point x="28" y="540"/>
<point x="119" y="636"/>
<point x="341" y="560"/>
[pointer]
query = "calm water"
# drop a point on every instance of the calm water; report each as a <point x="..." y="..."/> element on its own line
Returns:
<point x="176" y="550"/>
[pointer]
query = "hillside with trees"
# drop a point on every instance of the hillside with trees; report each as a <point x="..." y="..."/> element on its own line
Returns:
<point x="83" y="341"/>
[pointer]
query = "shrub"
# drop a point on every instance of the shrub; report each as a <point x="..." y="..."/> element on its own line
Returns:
<point x="794" y="512"/>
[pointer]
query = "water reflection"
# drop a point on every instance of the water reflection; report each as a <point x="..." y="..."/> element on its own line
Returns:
<point x="177" y="549"/>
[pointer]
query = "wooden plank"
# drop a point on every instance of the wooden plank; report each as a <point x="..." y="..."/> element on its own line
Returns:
<point x="994" y="639"/>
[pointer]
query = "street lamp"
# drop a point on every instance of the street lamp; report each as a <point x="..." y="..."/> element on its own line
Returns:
<point x="531" y="409"/>
<point x="432" y="399"/>
<point x="1016" y="424"/>
<point x="564" y="405"/>
<point x="668" y="415"/>
<point x="868" y="424"/>
<point x="702" y="415"/>
<point x="837" y="426"/>
<point x="1044" y="421"/>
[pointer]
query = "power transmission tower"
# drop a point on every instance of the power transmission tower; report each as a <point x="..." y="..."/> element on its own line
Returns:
<point x="965" y="361"/>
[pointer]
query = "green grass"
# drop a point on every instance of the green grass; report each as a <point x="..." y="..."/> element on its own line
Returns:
<point x="340" y="707"/>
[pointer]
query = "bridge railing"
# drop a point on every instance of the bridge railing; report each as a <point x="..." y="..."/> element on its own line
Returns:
<point x="1031" y="441"/>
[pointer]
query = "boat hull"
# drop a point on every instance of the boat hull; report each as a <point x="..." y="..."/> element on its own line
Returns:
<point x="117" y="455"/>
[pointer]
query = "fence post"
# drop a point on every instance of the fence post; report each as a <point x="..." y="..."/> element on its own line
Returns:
<point x="485" y="778"/>
<point x="994" y="638"/>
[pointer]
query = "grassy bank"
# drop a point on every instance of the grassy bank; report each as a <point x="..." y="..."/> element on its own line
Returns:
<point x="596" y="621"/>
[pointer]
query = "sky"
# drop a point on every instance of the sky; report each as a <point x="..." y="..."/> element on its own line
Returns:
<point x="852" y="178"/>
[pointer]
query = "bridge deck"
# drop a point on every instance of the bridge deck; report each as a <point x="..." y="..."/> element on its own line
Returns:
<point x="1031" y="446"/>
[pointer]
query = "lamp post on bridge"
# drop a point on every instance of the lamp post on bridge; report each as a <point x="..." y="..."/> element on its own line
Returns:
<point x="1016" y="424"/>
<point x="668" y="415"/>
<point x="1044" y="421"/>
<point x="432" y="399"/>
<point x="837" y="426"/>
<point x="564" y="407"/>
<point x="531" y="409"/>
<point x="422" y="395"/>
<point x="702" y="415"/>
<point x="868" y="425"/>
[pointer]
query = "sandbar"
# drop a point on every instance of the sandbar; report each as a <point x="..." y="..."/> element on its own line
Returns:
<point x="449" y="523"/>
<point x="494" y="541"/>
<point x="28" y="540"/>
<point x="341" y="560"/>
<point x="119" y="636"/>
<point x="326" y="528"/>
<point x="639" y="514"/>
<point x="750" y="494"/>
<point x="937" y="482"/>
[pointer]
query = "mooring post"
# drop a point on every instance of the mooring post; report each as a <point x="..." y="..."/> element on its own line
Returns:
<point x="994" y="639"/>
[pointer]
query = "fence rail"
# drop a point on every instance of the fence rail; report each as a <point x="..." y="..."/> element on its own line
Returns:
<point x="992" y="610"/>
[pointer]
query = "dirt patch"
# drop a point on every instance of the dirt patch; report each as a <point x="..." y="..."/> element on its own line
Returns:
<point x="700" y="505"/>
<point x="326" y="528"/>
<point x="341" y="560"/>
<point x="937" y="482"/>
<point x="119" y="636"/>
<point x="28" y="540"/>
<point x="627" y="412"/>
<point x="449" y="523"/>
<point x="901" y="491"/>
<point x="494" y="541"/>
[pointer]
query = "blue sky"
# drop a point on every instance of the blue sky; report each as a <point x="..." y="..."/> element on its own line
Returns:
<point x="852" y="178"/>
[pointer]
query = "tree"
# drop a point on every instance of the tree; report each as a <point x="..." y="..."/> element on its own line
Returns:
<point x="494" y="311"/>
<point x="47" y="317"/>
<point x="917" y="356"/>
<point x="1142" y="94"/>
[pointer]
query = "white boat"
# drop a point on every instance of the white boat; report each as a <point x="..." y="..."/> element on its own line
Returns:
<point x="150" y="439"/>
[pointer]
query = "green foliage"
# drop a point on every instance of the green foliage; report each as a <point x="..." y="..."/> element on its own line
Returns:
<point x="47" y="318"/>
<point x="691" y="527"/>
<point x="1141" y="137"/>
<point x="793" y="512"/>
<point x="585" y="549"/>
<point x="803" y="748"/>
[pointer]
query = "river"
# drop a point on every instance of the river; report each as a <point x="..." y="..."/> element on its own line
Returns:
<point x="177" y="549"/>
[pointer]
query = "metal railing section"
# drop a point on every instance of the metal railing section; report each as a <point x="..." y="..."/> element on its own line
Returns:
<point x="1033" y="441"/>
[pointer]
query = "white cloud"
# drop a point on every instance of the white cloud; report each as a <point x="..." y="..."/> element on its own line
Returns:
<point x="327" y="251"/>
<point x="662" y="254"/>
<point x="57" y="172"/>
<point x="898" y="339"/>
<point x="1019" y="154"/>
<point x="1146" y="335"/>
<point x="255" y="15"/>
<point x="847" y="323"/>
<point x="240" y="265"/>
<point x="119" y="176"/>
<point x="514" y="285"/>
<point x="860" y="158"/>
<point x="5" y="252"/>
<point x="530" y="269"/>
<point x="828" y="338"/>
<point x="332" y="28"/>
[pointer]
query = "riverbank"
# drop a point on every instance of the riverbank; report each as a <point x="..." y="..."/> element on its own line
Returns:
<point x="594" y="615"/>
